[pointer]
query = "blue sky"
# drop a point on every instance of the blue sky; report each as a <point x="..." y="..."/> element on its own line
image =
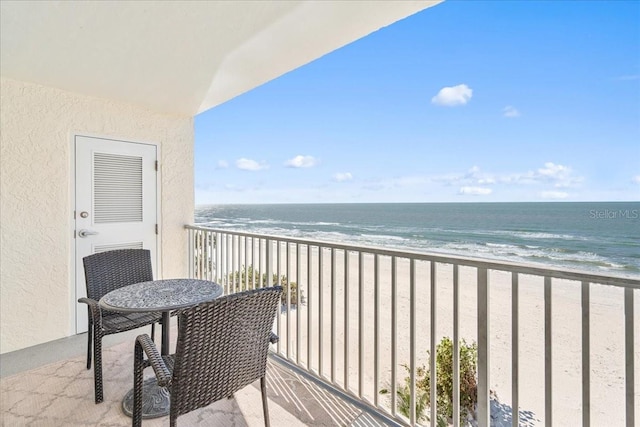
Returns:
<point x="468" y="101"/>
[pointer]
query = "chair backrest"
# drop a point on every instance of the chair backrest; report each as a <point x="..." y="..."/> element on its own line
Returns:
<point x="222" y="347"/>
<point x="106" y="271"/>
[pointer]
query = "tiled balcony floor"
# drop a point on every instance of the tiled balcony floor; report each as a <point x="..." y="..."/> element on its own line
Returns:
<point x="61" y="394"/>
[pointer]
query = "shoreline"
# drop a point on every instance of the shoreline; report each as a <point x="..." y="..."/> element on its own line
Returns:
<point x="574" y="240"/>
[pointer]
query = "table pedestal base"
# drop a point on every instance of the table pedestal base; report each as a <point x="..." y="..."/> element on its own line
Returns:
<point x="155" y="400"/>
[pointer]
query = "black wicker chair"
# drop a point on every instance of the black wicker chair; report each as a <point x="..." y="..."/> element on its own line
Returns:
<point x="222" y="347"/>
<point x="105" y="272"/>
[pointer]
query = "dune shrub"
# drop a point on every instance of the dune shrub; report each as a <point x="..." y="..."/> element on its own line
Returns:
<point x="444" y="385"/>
<point x="245" y="279"/>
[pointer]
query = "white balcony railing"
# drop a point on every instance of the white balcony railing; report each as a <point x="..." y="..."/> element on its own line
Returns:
<point x="358" y="314"/>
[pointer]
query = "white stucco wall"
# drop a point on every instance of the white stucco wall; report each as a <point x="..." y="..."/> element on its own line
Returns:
<point x="36" y="128"/>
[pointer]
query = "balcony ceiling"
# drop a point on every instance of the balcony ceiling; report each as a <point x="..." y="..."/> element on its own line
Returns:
<point x="178" y="57"/>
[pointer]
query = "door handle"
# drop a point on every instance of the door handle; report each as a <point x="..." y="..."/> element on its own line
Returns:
<point x="86" y="233"/>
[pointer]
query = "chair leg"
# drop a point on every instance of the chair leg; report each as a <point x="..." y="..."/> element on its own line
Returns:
<point x="153" y="332"/>
<point x="136" y="417"/>
<point x="97" y="366"/>
<point x="89" y="338"/>
<point x="263" y="387"/>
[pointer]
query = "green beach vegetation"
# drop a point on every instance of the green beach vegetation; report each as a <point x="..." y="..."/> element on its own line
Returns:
<point x="444" y="385"/>
<point x="250" y="278"/>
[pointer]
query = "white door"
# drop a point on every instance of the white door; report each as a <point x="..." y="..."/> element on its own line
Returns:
<point x="115" y="203"/>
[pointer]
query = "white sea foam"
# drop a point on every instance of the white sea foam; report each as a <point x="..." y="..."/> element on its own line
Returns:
<point x="497" y="251"/>
<point x="468" y="233"/>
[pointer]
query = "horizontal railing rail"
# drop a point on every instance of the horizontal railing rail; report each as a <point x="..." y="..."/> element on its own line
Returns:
<point x="358" y="317"/>
<point x="521" y="268"/>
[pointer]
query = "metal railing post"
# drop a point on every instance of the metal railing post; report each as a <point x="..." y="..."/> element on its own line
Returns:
<point x="483" y="348"/>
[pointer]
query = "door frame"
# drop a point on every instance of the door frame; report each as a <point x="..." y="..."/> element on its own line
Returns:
<point x="71" y="219"/>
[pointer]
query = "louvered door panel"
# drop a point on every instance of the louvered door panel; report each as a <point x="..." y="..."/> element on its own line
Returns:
<point x="105" y="248"/>
<point x="117" y="188"/>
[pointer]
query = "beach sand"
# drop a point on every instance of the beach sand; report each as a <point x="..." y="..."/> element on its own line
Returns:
<point x="607" y="334"/>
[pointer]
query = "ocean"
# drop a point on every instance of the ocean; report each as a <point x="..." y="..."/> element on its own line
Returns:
<point x="602" y="237"/>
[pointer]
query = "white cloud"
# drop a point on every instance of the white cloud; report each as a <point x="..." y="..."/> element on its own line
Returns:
<point x="551" y="176"/>
<point x="554" y="171"/>
<point x="554" y="195"/>
<point x="636" y="179"/>
<point x="222" y="164"/>
<point x="397" y="183"/>
<point x="301" y="162"/>
<point x="342" y="176"/>
<point x="475" y="191"/>
<point x="510" y="111"/>
<point x="486" y="181"/>
<point x="250" y="165"/>
<point x="453" y="95"/>
<point x="559" y="175"/>
<point x="473" y="177"/>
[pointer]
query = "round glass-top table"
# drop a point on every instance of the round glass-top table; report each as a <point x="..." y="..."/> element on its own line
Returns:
<point x="165" y="296"/>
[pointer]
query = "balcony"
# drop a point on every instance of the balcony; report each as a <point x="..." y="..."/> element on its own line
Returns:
<point x="560" y="346"/>
<point x="553" y="346"/>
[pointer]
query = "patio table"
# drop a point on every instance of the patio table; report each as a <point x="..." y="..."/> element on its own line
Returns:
<point x="165" y="296"/>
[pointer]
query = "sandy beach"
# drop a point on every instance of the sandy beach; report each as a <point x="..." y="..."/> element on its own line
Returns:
<point x="607" y="334"/>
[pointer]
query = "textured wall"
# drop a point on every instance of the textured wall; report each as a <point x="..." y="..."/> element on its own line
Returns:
<point x="37" y="125"/>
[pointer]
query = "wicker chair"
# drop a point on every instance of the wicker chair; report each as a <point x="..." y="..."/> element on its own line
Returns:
<point x="222" y="347"/>
<point x="105" y="272"/>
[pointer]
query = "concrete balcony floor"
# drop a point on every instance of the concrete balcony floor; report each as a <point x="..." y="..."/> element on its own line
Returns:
<point x="49" y="385"/>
